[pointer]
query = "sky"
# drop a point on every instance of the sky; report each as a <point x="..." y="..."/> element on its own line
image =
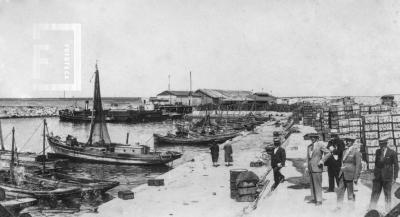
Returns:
<point x="284" y="47"/>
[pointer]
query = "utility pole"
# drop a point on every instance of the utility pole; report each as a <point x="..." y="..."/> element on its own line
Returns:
<point x="1" y="139"/>
<point x="169" y="88"/>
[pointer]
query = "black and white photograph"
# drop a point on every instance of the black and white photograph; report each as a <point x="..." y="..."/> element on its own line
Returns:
<point x="194" y="108"/>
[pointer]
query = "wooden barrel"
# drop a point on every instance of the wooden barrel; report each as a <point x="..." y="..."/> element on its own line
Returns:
<point x="235" y="173"/>
<point x="234" y="193"/>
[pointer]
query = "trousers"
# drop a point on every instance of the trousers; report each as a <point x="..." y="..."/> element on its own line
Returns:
<point x="277" y="176"/>
<point x="377" y="187"/>
<point x="343" y="185"/>
<point x="316" y="186"/>
<point x="333" y="174"/>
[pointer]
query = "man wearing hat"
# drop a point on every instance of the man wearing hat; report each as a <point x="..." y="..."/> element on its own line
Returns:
<point x="278" y="158"/>
<point x="349" y="171"/>
<point x="317" y="154"/>
<point x="336" y="147"/>
<point x="385" y="173"/>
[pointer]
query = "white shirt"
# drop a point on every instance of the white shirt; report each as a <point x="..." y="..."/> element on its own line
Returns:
<point x="276" y="149"/>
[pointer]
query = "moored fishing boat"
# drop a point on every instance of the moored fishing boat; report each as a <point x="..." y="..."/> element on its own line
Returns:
<point x="99" y="147"/>
<point x="11" y="184"/>
<point x="193" y="139"/>
<point x="91" y="186"/>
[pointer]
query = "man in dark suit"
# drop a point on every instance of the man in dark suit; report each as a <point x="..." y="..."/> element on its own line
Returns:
<point x="278" y="158"/>
<point x="334" y="162"/>
<point x="385" y="173"/>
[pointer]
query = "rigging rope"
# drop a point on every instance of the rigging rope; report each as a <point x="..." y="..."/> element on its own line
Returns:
<point x="29" y="139"/>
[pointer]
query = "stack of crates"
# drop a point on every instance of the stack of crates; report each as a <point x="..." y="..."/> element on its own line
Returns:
<point x="356" y="113"/>
<point x="378" y="126"/>
<point x="308" y="115"/>
<point x="351" y="127"/>
<point x="379" y="109"/>
<point x="396" y="130"/>
<point x="371" y="128"/>
<point x="337" y="113"/>
<point x="365" y="109"/>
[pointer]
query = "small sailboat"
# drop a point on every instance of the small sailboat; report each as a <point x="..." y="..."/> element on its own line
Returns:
<point x="12" y="185"/>
<point x="56" y="179"/>
<point x="99" y="147"/>
<point x="29" y="160"/>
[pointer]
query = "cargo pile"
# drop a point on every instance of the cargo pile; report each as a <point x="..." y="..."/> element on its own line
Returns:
<point x="243" y="185"/>
<point x="367" y="123"/>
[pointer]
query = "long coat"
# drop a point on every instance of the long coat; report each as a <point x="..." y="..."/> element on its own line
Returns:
<point x="315" y="153"/>
<point x="278" y="157"/>
<point x="387" y="169"/>
<point x="228" y="152"/>
<point x="214" y="152"/>
<point x="351" y="164"/>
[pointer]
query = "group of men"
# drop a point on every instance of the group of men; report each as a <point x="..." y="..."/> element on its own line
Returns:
<point x="343" y="160"/>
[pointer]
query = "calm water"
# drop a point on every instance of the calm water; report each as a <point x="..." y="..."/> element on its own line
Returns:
<point x="29" y="138"/>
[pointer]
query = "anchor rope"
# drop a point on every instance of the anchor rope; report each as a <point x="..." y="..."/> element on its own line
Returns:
<point x="29" y="139"/>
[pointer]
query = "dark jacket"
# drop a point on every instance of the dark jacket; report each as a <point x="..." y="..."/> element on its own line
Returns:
<point x="387" y="169"/>
<point x="339" y="146"/>
<point x="278" y="157"/>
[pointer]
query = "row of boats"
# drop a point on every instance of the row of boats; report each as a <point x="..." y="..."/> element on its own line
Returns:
<point x="37" y="175"/>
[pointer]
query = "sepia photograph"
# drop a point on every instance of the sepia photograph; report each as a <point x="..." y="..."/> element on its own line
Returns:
<point x="199" y="108"/>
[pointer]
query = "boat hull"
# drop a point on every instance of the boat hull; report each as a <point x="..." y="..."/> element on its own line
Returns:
<point x="63" y="150"/>
<point x="203" y="140"/>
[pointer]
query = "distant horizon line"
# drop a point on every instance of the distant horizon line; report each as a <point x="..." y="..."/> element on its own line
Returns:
<point x="138" y="97"/>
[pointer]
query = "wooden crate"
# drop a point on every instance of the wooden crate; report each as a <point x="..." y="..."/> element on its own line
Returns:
<point x="126" y="195"/>
<point x="155" y="182"/>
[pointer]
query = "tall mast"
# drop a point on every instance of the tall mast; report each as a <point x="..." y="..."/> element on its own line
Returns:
<point x="44" y="147"/>
<point x="190" y="92"/>
<point x="1" y="138"/>
<point x="169" y="88"/>
<point x="12" y="156"/>
<point x="98" y="128"/>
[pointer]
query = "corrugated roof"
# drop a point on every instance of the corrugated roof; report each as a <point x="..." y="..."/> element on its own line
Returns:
<point x="227" y="95"/>
<point x="181" y="93"/>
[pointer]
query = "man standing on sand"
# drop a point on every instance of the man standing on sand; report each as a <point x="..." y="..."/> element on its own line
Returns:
<point x="228" y="154"/>
<point x="385" y="173"/>
<point x="336" y="146"/>
<point x="349" y="171"/>
<point x="214" y="154"/>
<point x="317" y="154"/>
<point x="278" y="158"/>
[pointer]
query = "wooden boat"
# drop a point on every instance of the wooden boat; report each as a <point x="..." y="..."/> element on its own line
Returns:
<point x="99" y="147"/>
<point x="29" y="160"/>
<point x="193" y="139"/>
<point x="114" y="116"/>
<point x="37" y="190"/>
<point x="92" y="186"/>
<point x="16" y="205"/>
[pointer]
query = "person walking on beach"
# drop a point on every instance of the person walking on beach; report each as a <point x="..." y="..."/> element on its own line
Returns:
<point x="228" y="154"/>
<point x="349" y="171"/>
<point x="214" y="154"/>
<point x="278" y="158"/>
<point x="336" y="147"/>
<point x="385" y="173"/>
<point x="317" y="154"/>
